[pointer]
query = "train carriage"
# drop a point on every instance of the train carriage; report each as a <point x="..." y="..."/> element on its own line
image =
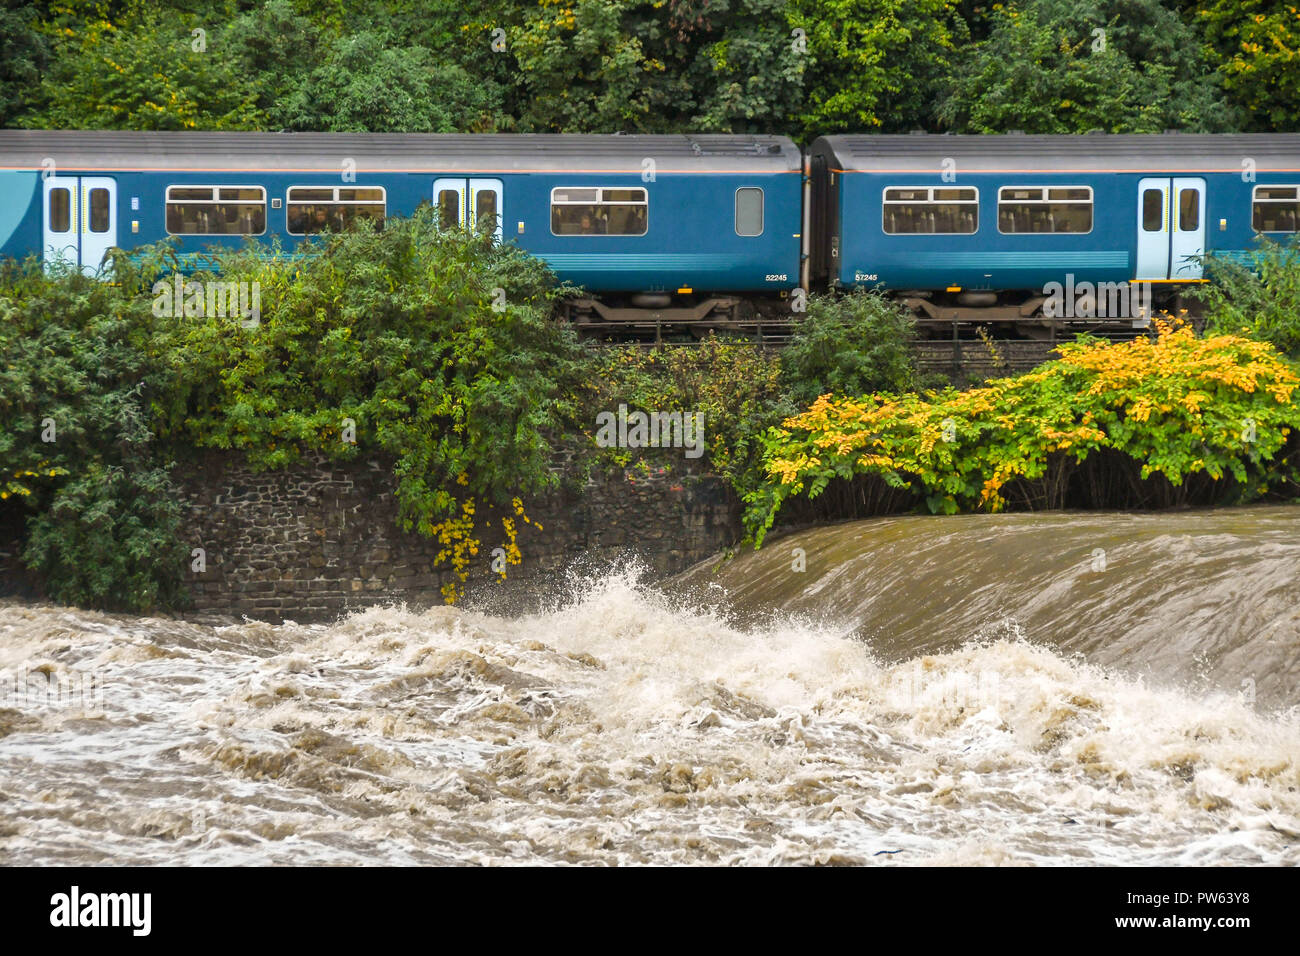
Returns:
<point x="665" y="227"/>
<point x="993" y="227"/>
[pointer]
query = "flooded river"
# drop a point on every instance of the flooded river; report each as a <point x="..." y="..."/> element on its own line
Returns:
<point x="1024" y="689"/>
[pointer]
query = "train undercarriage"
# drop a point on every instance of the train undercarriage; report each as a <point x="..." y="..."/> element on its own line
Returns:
<point x="1024" y="315"/>
<point x="660" y="317"/>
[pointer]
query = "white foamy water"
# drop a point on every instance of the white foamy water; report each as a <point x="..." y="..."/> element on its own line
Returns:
<point x="617" y="729"/>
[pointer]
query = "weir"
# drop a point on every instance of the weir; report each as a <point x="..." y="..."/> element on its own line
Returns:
<point x="1208" y="600"/>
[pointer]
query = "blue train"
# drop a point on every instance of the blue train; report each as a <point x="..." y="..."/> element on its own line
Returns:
<point x="695" y="231"/>
<point x="977" y="227"/>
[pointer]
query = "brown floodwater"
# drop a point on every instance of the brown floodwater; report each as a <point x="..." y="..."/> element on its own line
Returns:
<point x="1025" y="689"/>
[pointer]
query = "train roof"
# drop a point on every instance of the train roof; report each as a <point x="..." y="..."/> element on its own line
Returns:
<point x="1092" y="152"/>
<point x="395" y="152"/>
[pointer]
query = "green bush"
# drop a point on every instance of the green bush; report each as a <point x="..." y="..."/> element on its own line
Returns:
<point x="735" y="386"/>
<point x="103" y="522"/>
<point x="1173" y="420"/>
<point x="847" y="344"/>
<point x="1260" y="298"/>
<point x="110" y="537"/>
<point x="850" y="345"/>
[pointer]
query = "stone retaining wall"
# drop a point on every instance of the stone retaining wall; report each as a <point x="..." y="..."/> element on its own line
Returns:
<point x="309" y="542"/>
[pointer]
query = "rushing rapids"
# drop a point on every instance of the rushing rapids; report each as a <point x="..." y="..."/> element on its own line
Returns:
<point x="928" y="691"/>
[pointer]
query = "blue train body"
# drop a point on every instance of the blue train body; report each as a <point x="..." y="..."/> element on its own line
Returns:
<point x="1131" y="208"/>
<point x="687" y="226"/>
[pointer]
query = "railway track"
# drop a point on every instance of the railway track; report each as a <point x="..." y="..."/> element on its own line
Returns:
<point x="963" y="357"/>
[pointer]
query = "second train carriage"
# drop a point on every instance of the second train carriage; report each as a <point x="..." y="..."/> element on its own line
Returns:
<point x="988" y="227"/>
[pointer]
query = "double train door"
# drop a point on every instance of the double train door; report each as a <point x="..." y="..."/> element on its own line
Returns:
<point x="469" y="202"/>
<point x="1171" y="228"/>
<point x="80" y="220"/>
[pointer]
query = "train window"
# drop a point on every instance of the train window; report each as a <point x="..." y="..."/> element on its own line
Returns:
<point x="922" y="209"/>
<point x="216" y="210"/>
<point x="599" y="211"/>
<point x="749" y="211"/>
<point x="99" y="209"/>
<point x="449" y="201"/>
<point x="1274" y="208"/>
<point x="485" y="203"/>
<point x="1045" y="209"/>
<point x="1153" y="210"/>
<point x="313" y="209"/>
<point x="1189" y="210"/>
<point x="60" y="209"/>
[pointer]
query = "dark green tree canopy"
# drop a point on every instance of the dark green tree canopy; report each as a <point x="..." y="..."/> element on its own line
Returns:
<point x="801" y="67"/>
<point x="1070" y="66"/>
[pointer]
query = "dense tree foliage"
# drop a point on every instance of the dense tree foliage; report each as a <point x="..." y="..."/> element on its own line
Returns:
<point x="875" y="65"/>
<point x="801" y="67"/>
<point x="144" y="70"/>
<point x="1070" y="66"/>
<point x="650" y="66"/>
<point x="1255" y="46"/>
<point x="24" y="54"/>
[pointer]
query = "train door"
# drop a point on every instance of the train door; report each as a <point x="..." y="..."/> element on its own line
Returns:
<point x="1171" y="228"/>
<point x="1187" y="233"/>
<point x="449" y="198"/>
<point x="485" y="205"/>
<point x="80" y="220"/>
<point x="99" y="220"/>
<point x="463" y="202"/>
